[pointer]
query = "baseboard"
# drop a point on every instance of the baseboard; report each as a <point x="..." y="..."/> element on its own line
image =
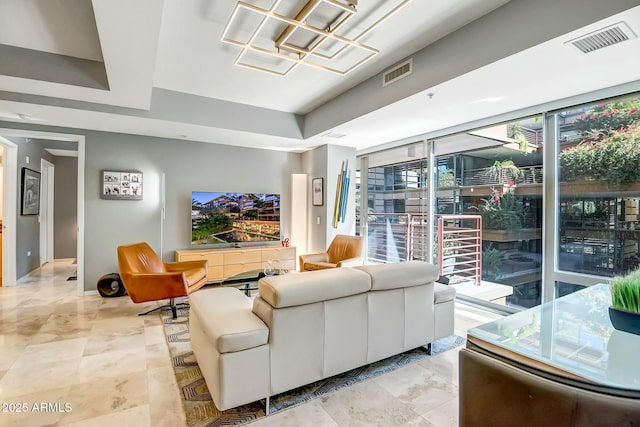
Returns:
<point x="90" y="293"/>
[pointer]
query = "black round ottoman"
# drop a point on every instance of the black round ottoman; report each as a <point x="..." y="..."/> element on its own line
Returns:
<point x="110" y="285"/>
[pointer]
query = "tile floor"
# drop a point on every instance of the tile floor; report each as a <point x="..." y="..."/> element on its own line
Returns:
<point x="90" y="361"/>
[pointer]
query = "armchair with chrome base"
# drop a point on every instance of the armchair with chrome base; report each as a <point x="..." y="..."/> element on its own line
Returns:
<point x="344" y="251"/>
<point x="147" y="278"/>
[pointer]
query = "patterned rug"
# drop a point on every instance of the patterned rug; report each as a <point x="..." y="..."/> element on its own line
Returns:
<point x="200" y="410"/>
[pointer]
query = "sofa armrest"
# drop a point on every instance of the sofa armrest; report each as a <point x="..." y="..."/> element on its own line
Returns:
<point x="323" y="257"/>
<point x="143" y="287"/>
<point x="351" y="262"/>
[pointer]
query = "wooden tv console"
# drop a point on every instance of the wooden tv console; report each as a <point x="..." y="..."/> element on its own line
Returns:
<point x="229" y="262"/>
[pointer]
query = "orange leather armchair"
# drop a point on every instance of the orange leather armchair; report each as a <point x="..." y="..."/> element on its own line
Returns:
<point x="344" y="251"/>
<point x="147" y="278"/>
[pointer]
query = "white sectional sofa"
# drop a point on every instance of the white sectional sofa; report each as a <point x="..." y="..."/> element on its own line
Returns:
<point x="307" y="326"/>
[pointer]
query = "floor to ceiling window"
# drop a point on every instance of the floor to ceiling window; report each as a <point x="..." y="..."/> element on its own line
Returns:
<point x="496" y="172"/>
<point x="599" y="190"/>
<point x="589" y="195"/>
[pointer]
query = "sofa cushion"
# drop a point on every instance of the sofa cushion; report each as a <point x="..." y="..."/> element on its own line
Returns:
<point x="399" y="275"/>
<point x="294" y="289"/>
<point x="227" y="319"/>
<point x="443" y="293"/>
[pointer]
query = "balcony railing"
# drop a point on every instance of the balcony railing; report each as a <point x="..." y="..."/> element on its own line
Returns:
<point x="530" y="175"/>
<point x="397" y="237"/>
<point x="460" y="247"/>
<point x="404" y="237"/>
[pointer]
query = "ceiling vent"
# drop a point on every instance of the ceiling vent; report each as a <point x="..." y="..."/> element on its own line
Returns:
<point x="603" y="37"/>
<point x="398" y="72"/>
<point x="334" y="135"/>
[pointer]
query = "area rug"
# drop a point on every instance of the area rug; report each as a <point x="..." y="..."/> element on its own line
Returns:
<point x="200" y="410"/>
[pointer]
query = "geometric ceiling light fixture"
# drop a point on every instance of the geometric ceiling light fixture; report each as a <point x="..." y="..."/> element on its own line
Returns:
<point x="277" y="39"/>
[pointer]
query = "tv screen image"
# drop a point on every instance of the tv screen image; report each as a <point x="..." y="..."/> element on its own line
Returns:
<point x="223" y="218"/>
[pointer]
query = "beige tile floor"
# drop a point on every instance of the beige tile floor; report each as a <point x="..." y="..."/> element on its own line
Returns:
<point x="111" y="367"/>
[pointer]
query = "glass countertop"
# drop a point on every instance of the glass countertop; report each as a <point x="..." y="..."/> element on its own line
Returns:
<point x="573" y="334"/>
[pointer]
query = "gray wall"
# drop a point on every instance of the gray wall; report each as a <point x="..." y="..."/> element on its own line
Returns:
<point x="314" y="163"/>
<point x="326" y="162"/>
<point x="65" y="207"/>
<point x="188" y="166"/>
<point x="27" y="226"/>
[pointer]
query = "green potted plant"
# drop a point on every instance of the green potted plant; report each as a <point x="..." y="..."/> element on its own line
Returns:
<point x="501" y="211"/>
<point x="625" y="303"/>
<point x="505" y="171"/>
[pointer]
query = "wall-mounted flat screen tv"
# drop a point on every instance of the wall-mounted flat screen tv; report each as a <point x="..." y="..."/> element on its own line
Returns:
<point x="228" y="218"/>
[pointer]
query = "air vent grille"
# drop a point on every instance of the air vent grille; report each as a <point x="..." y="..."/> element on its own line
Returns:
<point x="334" y="135"/>
<point x="398" y="72"/>
<point x="604" y="37"/>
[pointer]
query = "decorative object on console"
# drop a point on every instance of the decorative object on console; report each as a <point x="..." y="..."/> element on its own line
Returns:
<point x="269" y="269"/>
<point x="342" y="194"/>
<point x="625" y="303"/>
<point x="121" y="185"/>
<point x="317" y="189"/>
<point x="30" y="192"/>
<point x="277" y="42"/>
<point x="228" y="218"/>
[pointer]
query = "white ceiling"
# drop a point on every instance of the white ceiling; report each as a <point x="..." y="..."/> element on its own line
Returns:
<point x="174" y="45"/>
<point x="192" y="59"/>
<point x="65" y="27"/>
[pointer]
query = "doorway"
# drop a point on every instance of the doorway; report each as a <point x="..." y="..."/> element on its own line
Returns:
<point x="11" y="208"/>
<point x="1" y="207"/>
<point x="46" y="211"/>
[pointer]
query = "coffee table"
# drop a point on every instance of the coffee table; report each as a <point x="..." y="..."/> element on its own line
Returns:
<point x="571" y="336"/>
<point x="247" y="281"/>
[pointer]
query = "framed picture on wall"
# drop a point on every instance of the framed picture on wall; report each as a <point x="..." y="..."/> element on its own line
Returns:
<point x="317" y="191"/>
<point x="30" y="192"/>
<point x="121" y="185"/>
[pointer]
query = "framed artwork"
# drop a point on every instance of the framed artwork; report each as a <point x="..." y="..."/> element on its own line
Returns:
<point x="121" y="185"/>
<point x="30" y="192"/>
<point x="317" y="189"/>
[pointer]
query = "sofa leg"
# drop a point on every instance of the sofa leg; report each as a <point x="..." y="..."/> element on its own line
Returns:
<point x="429" y="349"/>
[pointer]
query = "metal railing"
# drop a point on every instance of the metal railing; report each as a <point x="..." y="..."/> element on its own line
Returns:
<point x="459" y="251"/>
<point x="396" y="237"/>
<point x="404" y="237"/>
<point x="529" y="175"/>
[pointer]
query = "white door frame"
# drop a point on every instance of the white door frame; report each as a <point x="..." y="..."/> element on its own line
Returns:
<point x="10" y="211"/>
<point x="80" y="139"/>
<point x="46" y="218"/>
